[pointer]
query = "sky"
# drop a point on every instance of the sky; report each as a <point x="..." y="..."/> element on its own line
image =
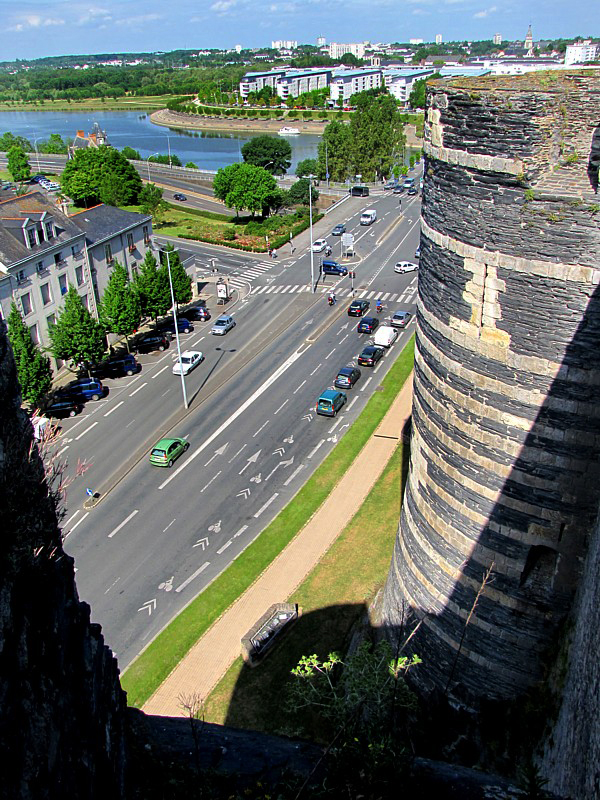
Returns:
<point x="36" y="28"/>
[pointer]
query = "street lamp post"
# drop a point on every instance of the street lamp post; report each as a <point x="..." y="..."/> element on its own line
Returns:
<point x="148" y="163"/>
<point x="185" y="400"/>
<point x="169" y="147"/>
<point x="312" y="255"/>
<point x="37" y="152"/>
<point x="326" y="165"/>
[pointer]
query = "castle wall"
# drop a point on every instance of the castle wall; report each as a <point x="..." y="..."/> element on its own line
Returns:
<point x="506" y="419"/>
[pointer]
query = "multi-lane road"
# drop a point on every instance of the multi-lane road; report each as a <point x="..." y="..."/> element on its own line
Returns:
<point x="159" y="536"/>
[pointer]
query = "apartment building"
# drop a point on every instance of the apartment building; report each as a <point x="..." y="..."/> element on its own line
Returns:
<point x="345" y="84"/>
<point x="336" y="51"/>
<point x="294" y="83"/>
<point x="581" y="52"/>
<point x="400" y="82"/>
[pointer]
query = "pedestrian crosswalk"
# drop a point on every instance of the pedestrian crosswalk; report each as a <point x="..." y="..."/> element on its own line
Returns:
<point x="406" y="296"/>
<point x="249" y="273"/>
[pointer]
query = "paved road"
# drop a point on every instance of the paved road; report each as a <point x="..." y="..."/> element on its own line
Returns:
<point x="160" y="536"/>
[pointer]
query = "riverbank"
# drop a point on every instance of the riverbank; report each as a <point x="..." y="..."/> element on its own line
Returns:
<point x="175" y="119"/>
<point x="146" y="104"/>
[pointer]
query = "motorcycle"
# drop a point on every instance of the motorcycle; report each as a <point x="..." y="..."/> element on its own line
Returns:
<point x="331" y="300"/>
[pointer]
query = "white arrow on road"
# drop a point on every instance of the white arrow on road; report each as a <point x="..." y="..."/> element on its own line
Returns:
<point x="245" y="493"/>
<point x="252" y="460"/>
<point x="218" y="452"/>
<point x="308" y="417"/>
<point x="307" y="323"/>
<point x="203" y="543"/>
<point x="287" y="463"/>
<point x="279" y="452"/>
<point x="149" y="606"/>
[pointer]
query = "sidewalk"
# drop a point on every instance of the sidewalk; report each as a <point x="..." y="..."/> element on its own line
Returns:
<point x="206" y="663"/>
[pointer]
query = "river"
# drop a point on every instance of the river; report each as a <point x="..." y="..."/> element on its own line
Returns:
<point x="207" y="149"/>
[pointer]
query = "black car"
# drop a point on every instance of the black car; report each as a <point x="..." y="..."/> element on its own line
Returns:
<point x="198" y="313"/>
<point x="390" y="185"/>
<point x="152" y="341"/>
<point x="398" y="189"/>
<point x="61" y="407"/>
<point x="179" y="196"/>
<point x="368" y="325"/>
<point x="413" y="190"/>
<point x="116" y="367"/>
<point x="183" y="326"/>
<point x="82" y="389"/>
<point x="339" y="229"/>
<point x="358" y="307"/>
<point x="370" y="356"/>
<point x="347" y="377"/>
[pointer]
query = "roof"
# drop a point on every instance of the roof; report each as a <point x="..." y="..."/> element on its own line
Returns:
<point x="103" y="222"/>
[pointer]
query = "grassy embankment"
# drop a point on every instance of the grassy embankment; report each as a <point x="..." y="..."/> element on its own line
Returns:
<point x="90" y="104"/>
<point x="335" y="593"/>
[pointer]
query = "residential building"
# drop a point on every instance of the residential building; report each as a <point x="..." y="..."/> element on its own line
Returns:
<point x="321" y="41"/>
<point x="415" y="41"/>
<point x="255" y="81"/>
<point x="400" y="82"/>
<point x="96" y="138"/>
<point x="295" y="82"/>
<point x="581" y="52"/>
<point x="438" y="38"/>
<point x="497" y="38"/>
<point x="284" y="44"/>
<point x="348" y="82"/>
<point x="43" y="251"/>
<point x="336" y="51"/>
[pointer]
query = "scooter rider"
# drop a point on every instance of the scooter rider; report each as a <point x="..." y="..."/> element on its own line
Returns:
<point x="331" y="298"/>
<point x="379" y="306"/>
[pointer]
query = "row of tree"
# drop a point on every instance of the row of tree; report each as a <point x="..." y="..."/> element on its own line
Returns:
<point x="78" y="337"/>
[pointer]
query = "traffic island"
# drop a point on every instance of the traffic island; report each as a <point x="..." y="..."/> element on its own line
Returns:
<point x="261" y="637"/>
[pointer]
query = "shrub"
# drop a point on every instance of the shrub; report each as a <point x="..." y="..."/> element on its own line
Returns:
<point x="228" y="235"/>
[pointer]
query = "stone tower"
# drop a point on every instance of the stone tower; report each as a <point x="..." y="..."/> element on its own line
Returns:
<point x="528" y="44"/>
<point x="506" y="411"/>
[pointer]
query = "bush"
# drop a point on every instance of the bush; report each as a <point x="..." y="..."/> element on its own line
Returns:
<point x="228" y="235"/>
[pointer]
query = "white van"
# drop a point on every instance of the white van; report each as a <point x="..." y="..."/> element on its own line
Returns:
<point x="368" y="217"/>
<point x="385" y="336"/>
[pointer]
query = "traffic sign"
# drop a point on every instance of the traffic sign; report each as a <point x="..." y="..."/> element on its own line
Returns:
<point x="347" y="239"/>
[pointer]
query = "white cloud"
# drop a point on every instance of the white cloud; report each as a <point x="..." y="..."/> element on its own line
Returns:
<point x="485" y="13"/>
<point x="33" y="21"/>
<point x="223" y="6"/>
<point x="94" y="16"/>
<point x="139" y="19"/>
<point x="420" y="12"/>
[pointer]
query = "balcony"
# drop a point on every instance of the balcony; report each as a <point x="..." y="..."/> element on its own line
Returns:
<point x="132" y="248"/>
<point x="78" y="255"/>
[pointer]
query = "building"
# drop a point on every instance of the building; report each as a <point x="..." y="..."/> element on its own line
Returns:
<point x="321" y="41"/>
<point x="438" y="38"/>
<point x="43" y="251"/>
<point x="336" y="51"/>
<point x="415" y="41"/>
<point x="400" y="82"/>
<point x="255" y="81"/>
<point x="284" y="44"/>
<point x="96" y="138"/>
<point x="345" y="84"/>
<point x="581" y="52"/>
<point x="528" y="44"/>
<point x="296" y="82"/>
<point x="497" y="38"/>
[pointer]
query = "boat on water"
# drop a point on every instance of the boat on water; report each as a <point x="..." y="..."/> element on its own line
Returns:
<point x="285" y="131"/>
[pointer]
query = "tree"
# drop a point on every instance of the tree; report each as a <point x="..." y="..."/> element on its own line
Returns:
<point x="18" y="165"/>
<point x="308" y="166"/>
<point x="76" y="336"/>
<point x="182" y="282"/>
<point x="243" y="186"/>
<point x="131" y="154"/>
<point x="120" y="310"/>
<point x="376" y="136"/>
<point x="150" y="199"/>
<point x="152" y="285"/>
<point x="33" y="367"/>
<point x="101" y="175"/>
<point x="416" y="98"/>
<point x="334" y="149"/>
<point x="55" y="145"/>
<point x="270" y="152"/>
<point x="8" y="140"/>
<point x="300" y="192"/>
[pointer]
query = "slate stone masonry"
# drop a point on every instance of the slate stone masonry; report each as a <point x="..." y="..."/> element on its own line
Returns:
<point x="506" y="413"/>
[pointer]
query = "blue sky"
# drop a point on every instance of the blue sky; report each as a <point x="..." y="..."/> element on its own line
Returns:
<point x="36" y="28"/>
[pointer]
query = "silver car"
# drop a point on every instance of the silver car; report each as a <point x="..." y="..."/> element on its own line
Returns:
<point x="223" y="324"/>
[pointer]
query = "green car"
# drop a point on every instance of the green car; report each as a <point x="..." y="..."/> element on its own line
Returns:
<point x="165" y="452"/>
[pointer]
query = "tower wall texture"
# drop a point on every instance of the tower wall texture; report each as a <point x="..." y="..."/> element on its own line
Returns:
<point x="506" y="412"/>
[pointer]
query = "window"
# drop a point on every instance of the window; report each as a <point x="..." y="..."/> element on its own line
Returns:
<point x="45" y="292"/>
<point x="58" y="258"/>
<point x="26" y="303"/>
<point x="76" y="251"/>
<point x="51" y="320"/>
<point x="130" y="243"/>
<point x="63" y="283"/>
<point x="146" y="234"/>
<point x="40" y="266"/>
<point x="31" y="237"/>
<point x="49" y="227"/>
<point x="21" y="276"/>
<point x="79" y="275"/>
<point x="33" y="332"/>
<point x="84" y="300"/>
<point x="108" y="254"/>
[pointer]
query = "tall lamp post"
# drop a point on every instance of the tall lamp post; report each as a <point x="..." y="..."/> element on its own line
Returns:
<point x="148" y="163"/>
<point x="37" y="152"/>
<point x="169" y="147"/>
<point x="185" y="400"/>
<point x="312" y="255"/>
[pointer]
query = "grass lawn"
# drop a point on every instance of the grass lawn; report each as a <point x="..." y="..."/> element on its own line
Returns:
<point x="148" y="671"/>
<point x="90" y="104"/>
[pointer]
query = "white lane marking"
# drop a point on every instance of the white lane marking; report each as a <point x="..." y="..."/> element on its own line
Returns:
<point x="214" y="478"/>
<point x="293" y="475"/>
<point x="72" y="517"/>
<point x="315" y="369"/>
<point x="261" y="390"/>
<point x="299" y="387"/>
<point x="365" y="384"/>
<point x="138" y="389"/>
<point x="260" y="429"/>
<point x="225" y="546"/>
<point x="241" y="530"/>
<point x="330" y="354"/>
<point x="76" y="524"/>
<point x="122" y="525"/>
<point x="111" y="586"/>
<point x="114" y="408"/>
<point x="62" y="450"/>
<point x="351" y="403"/>
<point x="166" y="366"/>
<point x="344" y="339"/>
<point x="314" y="450"/>
<point x="334" y="426"/>
<point x="267" y="504"/>
<point x="287" y="400"/>
<point x="130" y="423"/>
<point x="169" y="525"/>
<point x="83" y="433"/>
<point x="192" y="576"/>
<point x="164" y="393"/>
<point x="197" y="342"/>
<point x="237" y="454"/>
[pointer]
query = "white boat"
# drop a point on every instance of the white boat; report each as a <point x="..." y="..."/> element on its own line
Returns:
<point x="285" y="131"/>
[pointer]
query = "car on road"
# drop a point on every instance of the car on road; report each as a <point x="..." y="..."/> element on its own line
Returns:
<point x="358" y="308"/>
<point x="61" y="407"/>
<point x="339" y="229"/>
<point x="222" y="325"/>
<point x="408" y="182"/>
<point x="390" y="185"/>
<point x="398" y="189"/>
<point x="330" y="402"/>
<point x="370" y="356"/>
<point x="189" y="360"/>
<point x="166" y="451"/>
<point x="400" y="319"/>
<point x="179" y="196"/>
<point x="405" y="266"/>
<point x="116" y="367"/>
<point x="152" y="341"/>
<point x="319" y="245"/>
<point x="83" y="389"/>
<point x="412" y="191"/>
<point x="385" y="336"/>
<point x="331" y="267"/>
<point x="368" y="325"/>
<point x="183" y="326"/>
<point x="347" y="377"/>
<point x="198" y="313"/>
<point x="359" y="191"/>
<point x="418" y="252"/>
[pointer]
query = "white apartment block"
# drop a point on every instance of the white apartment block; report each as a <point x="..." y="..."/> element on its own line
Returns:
<point x="255" y="81"/>
<point x="294" y="83"/>
<point x="400" y="82"/>
<point x="321" y="41"/>
<point x="581" y="52"/>
<point x="438" y="38"/>
<point x="336" y="51"/>
<point x="345" y="84"/>
<point x="497" y="38"/>
<point x="284" y="44"/>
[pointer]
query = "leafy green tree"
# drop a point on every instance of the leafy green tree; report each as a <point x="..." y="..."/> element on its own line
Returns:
<point x="33" y="367"/>
<point x="131" y="154"/>
<point x="336" y="143"/>
<point x="309" y="166"/>
<point x="101" y="175"/>
<point x="191" y="165"/>
<point x="376" y="136"/>
<point x="270" y="152"/>
<point x="120" y="311"/>
<point x="244" y="186"/>
<point x="301" y="192"/>
<point x="150" y="199"/>
<point x="76" y="336"/>
<point x="152" y="285"/>
<point x="172" y="159"/>
<point x="416" y="98"/>
<point x="55" y="145"/>
<point x="182" y="282"/>
<point x="18" y="165"/>
<point x="8" y="140"/>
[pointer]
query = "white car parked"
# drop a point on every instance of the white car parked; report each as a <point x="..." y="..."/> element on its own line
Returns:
<point x="319" y="245"/>
<point x="406" y="266"/>
<point x="189" y="360"/>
